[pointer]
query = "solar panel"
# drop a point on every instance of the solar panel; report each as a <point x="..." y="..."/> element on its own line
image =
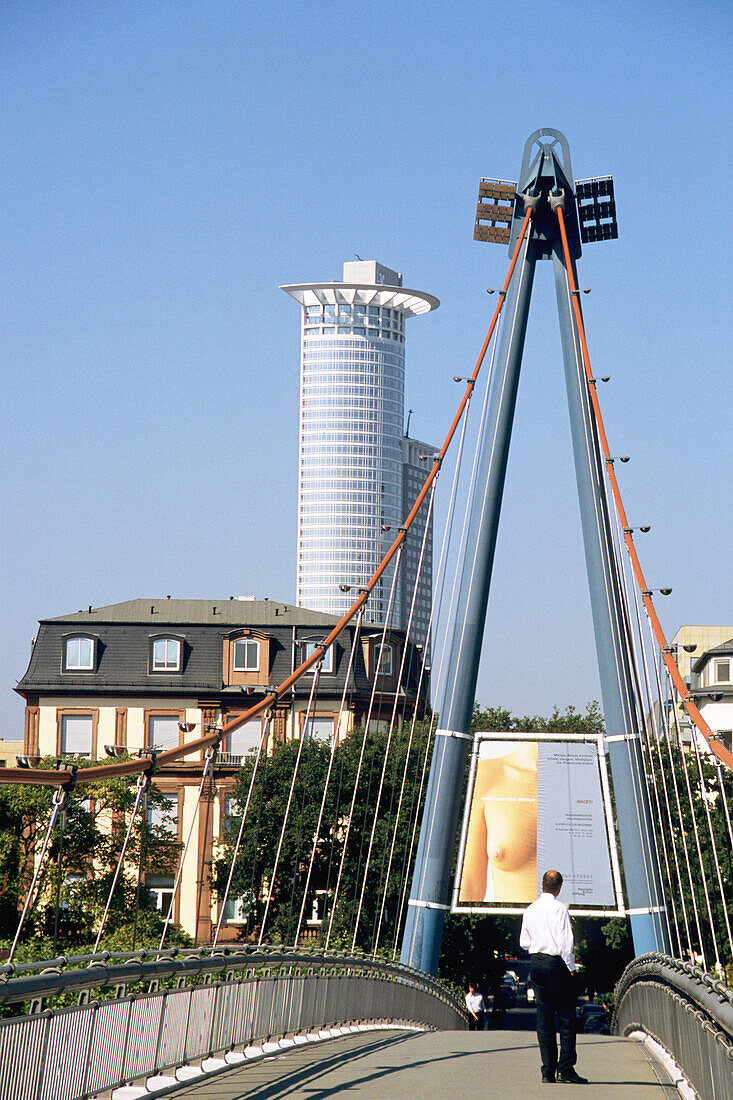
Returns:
<point x="494" y="211"/>
<point x="596" y="209"/>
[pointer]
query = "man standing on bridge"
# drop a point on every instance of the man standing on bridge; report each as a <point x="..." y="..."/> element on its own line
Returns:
<point x="548" y="937"/>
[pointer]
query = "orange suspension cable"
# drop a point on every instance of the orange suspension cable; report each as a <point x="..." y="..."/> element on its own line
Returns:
<point x="715" y="746"/>
<point x="132" y="767"/>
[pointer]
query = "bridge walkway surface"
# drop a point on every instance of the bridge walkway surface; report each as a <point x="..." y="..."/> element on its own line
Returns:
<point x="445" y="1065"/>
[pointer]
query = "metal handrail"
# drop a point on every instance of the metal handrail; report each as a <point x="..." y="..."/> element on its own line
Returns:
<point x="686" y="1011"/>
<point x="246" y="1003"/>
<point x="53" y="979"/>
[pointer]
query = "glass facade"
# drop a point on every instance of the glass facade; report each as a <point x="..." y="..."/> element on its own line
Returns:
<point x="352" y="414"/>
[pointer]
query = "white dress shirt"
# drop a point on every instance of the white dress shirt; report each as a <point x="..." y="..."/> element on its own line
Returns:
<point x="546" y="928"/>
<point x="475" y="1003"/>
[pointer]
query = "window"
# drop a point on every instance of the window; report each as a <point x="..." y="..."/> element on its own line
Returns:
<point x="307" y="649"/>
<point x="231" y="808"/>
<point x="243" y="740"/>
<point x="722" y="672"/>
<point x="725" y="737"/>
<point x="236" y="911"/>
<point x="245" y="655"/>
<point x="166" y="655"/>
<point x="76" y="734"/>
<point x="163" y="732"/>
<point x="164" y="815"/>
<point x="320" y="728"/>
<point x="72" y="892"/>
<point x="318" y="908"/>
<point x="161" y="890"/>
<point x="78" y="654"/>
<point x="385" y="662"/>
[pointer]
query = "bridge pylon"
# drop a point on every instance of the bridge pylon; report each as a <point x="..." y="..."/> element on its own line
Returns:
<point x="586" y="213"/>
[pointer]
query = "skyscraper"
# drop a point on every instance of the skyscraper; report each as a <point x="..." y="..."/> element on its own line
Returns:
<point x="355" y="460"/>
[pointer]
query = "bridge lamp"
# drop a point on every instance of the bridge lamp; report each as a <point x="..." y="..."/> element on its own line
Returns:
<point x="344" y="588"/>
<point x="619" y="458"/>
<point x="115" y="751"/>
<point x="644" y="530"/>
<point x="604" y="378"/>
<point x="27" y="761"/>
<point x="663" y="591"/>
<point x="186" y="727"/>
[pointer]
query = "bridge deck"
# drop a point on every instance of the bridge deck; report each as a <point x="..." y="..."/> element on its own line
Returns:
<point x="392" y="1065"/>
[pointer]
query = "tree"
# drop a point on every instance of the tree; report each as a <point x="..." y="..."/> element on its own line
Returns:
<point x="360" y="857"/>
<point x="77" y="875"/>
<point x="694" y="847"/>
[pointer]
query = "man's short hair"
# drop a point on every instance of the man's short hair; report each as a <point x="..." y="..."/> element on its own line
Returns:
<point x="551" y="882"/>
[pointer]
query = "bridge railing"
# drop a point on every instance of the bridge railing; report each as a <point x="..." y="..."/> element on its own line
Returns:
<point x="687" y="1012"/>
<point x="220" y="1001"/>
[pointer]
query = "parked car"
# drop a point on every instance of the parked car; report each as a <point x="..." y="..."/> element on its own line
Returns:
<point x="506" y="994"/>
<point x="592" y="1019"/>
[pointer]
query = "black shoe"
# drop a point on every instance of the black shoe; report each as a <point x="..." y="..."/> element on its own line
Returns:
<point x="572" y="1078"/>
<point x="548" y="1078"/>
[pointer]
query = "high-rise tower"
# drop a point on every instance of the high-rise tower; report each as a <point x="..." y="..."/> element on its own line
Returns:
<point x="353" y="449"/>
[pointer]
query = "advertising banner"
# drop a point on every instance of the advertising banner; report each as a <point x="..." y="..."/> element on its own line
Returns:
<point x="536" y="802"/>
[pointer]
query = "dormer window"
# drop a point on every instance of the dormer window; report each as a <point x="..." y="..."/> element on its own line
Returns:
<point x="307" y="649"/>
<point x="385" y="661"/>
<point x="245" y="655"/>
<point x="165" y="655"/>
<point x="246" y="658"/>
<point x="722" y="672"/>
<point x="79" y="653"/>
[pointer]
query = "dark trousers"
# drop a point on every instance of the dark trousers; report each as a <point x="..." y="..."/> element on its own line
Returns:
<point x="476" y="1025"/>
<point x="556" y="996"/>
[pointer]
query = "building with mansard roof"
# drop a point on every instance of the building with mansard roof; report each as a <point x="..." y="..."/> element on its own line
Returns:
<point x="149" y="674"/>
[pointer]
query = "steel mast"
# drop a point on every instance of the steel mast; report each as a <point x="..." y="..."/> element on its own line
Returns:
<point x="589" y="214"/>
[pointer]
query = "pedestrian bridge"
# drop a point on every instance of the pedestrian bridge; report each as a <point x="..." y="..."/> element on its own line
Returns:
<point x="218" y="1023"/>
<point x="149" y="1022"/>
<point x="392" y="1065"/>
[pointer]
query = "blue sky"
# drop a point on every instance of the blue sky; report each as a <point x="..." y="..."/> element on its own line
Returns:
<point x="166" y="166"/>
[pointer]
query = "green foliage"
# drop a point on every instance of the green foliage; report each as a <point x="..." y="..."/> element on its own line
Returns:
<point x="475" y="949"/>
<point x="700" y="927"/>
<point x="76" y="877"/>
<point x="342" y="837"/>
<point x="603" y="949"/>
<point x="497" y="719"/>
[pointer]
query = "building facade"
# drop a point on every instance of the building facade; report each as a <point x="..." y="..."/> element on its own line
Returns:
<point x="148" y="675"/>
<point x="352" y="458"/>
<point x="712" y="689"/>
<point x="704" y="657"/>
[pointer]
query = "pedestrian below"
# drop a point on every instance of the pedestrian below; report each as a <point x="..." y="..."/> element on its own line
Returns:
<point x="548" y="937"/>
<point x="476" y="1008"/>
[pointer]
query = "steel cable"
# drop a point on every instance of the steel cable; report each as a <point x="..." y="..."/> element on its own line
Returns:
<point x="434" y="814"/>
<point x="210" y="754"/>
<point x="245" y="810"/>
<point x="143" y="783"/>
<point x="334" y="745"/>
<point x="314" y="687"/>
